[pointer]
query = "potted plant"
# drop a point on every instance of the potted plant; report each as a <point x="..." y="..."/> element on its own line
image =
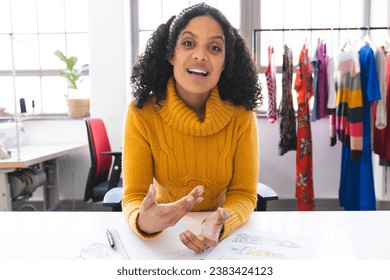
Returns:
<point x="77" y="101"/>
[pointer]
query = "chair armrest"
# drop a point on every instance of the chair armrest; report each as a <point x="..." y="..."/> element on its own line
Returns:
<point x="113" y="197"/>
<point x="266" y="192"/>
<point x="113" y="153"/>
<point x="116" y="169"/>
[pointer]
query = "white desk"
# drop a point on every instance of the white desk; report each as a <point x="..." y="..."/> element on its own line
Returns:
<point x="64" y="235"/>
<point x="30" y="155"/>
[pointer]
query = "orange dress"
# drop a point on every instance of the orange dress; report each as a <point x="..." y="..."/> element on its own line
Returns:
<point x="304" y="191"/>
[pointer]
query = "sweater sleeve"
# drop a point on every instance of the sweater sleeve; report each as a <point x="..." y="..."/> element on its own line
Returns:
<point x="137" y="167"/>
<point x="241" y="194"/>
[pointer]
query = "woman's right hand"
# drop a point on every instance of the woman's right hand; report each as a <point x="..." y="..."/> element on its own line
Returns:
<point x="154" y="217"/>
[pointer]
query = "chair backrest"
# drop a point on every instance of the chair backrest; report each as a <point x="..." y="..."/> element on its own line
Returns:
<point x="100" y="164"/>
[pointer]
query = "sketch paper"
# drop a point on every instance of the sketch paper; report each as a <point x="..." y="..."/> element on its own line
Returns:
<point x="166" y="246"/>
<point x="243" y="245"/>
<point x="100" y="248"/>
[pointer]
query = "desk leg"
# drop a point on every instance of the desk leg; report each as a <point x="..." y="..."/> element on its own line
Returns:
<point x="51" y="188"/>
<point x="5" y="195"/>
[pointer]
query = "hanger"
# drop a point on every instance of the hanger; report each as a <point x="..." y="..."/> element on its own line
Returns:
<point x="306" y="41"/>
<point x="285" y="39"/>
<point x="360" y="43"/>
<point x="270" y="39"/>
<point x="347" y="44"/>
<point x="386" y="44"/>
<point x="367" y="38"/>
<point x="331" y="44"/>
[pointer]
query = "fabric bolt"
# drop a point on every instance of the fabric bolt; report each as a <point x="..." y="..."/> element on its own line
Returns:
<point x="356" y="190"/>
<point x="304" y="190"/>
<point x="170" y="146"/>
<point x="287" y="124"/>
<point x="270" y="74"/>
<point x="349" y="102"/>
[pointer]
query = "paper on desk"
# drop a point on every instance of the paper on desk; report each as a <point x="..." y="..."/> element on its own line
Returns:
<point x="100" y="248"/>
<point x="166" y="246"/>
<point x="251" y="245"/>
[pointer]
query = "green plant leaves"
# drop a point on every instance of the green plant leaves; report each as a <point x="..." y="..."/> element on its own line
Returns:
<point x="70" y="74"/>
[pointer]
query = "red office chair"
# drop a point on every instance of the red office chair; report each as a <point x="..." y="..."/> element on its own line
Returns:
<point x="101" y="178"/>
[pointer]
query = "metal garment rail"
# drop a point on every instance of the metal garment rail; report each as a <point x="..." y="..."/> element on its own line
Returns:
<point x="258" y="30"/>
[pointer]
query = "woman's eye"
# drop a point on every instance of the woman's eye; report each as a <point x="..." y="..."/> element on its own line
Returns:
<point x="187" y="44"/>
<point x="215" y="48"/>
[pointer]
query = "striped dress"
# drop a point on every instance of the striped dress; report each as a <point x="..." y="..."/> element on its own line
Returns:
<point x="357" y="190"/>
<point x="349" y="102"/>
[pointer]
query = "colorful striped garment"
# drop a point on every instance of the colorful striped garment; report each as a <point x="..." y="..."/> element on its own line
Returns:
<point x="349" y="102"/>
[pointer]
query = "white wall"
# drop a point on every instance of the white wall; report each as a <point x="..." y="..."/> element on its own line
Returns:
<point x="279" y="171"/>
<point x="110" y="64"/>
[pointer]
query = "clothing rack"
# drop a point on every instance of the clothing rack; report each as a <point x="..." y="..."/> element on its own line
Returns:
<point x="258" y="30"/>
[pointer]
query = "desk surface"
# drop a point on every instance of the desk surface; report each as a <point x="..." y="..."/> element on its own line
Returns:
<point x="73" y="235"/>
<point x="33" y="154"/>
<point x="30" y="155"/>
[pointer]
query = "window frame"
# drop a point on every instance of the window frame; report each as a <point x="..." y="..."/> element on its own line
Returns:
<point x="39" y="72"/>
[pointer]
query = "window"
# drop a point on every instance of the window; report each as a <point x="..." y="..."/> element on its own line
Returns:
<point x="287" y="14"/>
<point x="162" y="10"/>
<point x="30" y="32"/>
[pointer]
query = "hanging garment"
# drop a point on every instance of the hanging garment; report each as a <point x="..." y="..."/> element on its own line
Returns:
<point x="348" y="116"/>
<point x="270" y="74"/>
<point x="314" y="64"/>
<point x="382" y="136"/>
<point x="332" y="101"/>
<point x="322" y="85"/>
<point x="379" y="108"/>
<point x="304" y="190"/>
<point x="331" y="85"/>
<point x="356" y="190"/>
<point x="287" y="131"/>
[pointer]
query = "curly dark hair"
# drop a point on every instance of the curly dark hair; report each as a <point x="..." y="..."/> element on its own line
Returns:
<point x="238" y="82"/>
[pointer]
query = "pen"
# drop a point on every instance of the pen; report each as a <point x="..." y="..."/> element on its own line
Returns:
<point x="110" y="239"/>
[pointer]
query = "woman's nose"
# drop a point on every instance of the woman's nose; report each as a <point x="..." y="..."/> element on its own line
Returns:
<point x="200" y="56"/>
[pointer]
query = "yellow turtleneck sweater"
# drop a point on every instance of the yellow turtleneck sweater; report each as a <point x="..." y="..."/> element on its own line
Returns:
<point x="170" y="146"/>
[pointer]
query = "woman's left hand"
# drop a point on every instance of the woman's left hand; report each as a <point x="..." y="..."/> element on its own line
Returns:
<point x="209" y="234"/>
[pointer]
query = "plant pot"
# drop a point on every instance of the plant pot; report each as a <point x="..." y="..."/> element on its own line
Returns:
<point x="78" y="108"/>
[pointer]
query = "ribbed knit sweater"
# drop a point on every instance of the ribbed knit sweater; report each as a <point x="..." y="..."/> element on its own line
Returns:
<point x="170" y="146"/>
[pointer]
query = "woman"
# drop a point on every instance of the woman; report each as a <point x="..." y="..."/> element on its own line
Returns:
<point x="190" y="141"/>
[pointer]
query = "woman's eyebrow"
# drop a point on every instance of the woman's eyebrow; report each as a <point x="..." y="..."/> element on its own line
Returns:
<point x="211" y="38"/>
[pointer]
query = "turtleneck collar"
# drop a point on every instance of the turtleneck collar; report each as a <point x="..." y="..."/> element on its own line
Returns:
<point x="182" y="118"/>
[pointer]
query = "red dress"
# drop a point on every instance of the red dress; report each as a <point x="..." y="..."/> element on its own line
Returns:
<point x="304" y="191"/>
